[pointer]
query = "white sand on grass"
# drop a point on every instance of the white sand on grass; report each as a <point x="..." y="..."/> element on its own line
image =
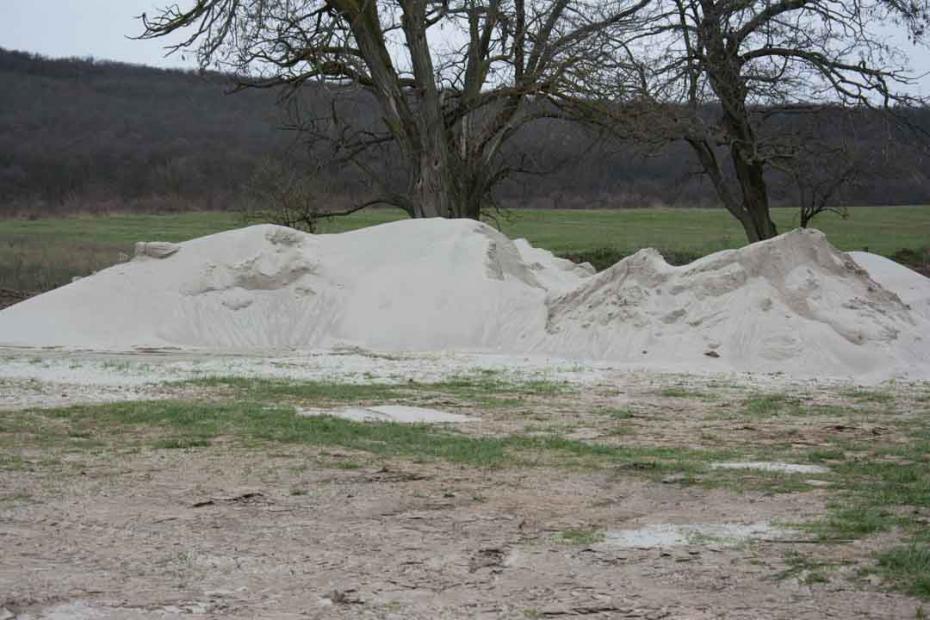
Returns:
<point x="793" y="304"/>
<point x="772" y="466"/>
<point x="672" y="535"/>
<point x="401" y="414"/>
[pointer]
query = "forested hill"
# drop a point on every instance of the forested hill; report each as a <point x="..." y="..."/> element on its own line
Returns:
<point x="82" y="135"/>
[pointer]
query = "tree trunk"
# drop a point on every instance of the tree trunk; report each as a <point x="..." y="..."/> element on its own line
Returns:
<point x="751" y="176"/>
<point x="754" y="220"/>
<point x="434" y="187"/>
<point x="433" y="192"/>
<point x="724" y="71"/>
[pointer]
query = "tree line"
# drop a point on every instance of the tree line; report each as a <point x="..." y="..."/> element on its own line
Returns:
<point x="456" y="80"/>
<point x="85" y="135"/>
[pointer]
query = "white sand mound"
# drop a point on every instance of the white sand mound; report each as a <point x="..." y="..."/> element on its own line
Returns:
<point x="410" y="285"/>
<point x="792" y="304"/>
<point x="910" y="286"/>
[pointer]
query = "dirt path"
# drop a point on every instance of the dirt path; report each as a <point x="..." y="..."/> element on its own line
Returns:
<point x="101" y="521"/>
<point x="223" y="532"/>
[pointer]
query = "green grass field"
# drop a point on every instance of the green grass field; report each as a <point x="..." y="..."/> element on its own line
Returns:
<point x="44" y="253"/>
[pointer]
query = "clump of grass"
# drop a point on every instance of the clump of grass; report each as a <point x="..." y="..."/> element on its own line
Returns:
<point x="347" y="465"/>
<point x="870" y="396"/>
<point x="682" y="392"/>
<point x="908" y="568"/>
<point x="181" y="443"/>
<point x="620" y="431"/>
<point x="15" y="498"/>
<point x="272" y="390"/>
<point x="490" y="388"/>
<point x="769" y="405"/>
<point x="819" y="455"/>
<point x="616" y="413"/>
<point x="805" y="569"/>
<point x="764" y="482"/>
<point x="847" y="522"/>
<point x="580" y="536"/>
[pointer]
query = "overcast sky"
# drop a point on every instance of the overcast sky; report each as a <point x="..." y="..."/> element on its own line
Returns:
<point x="100" y="28"/>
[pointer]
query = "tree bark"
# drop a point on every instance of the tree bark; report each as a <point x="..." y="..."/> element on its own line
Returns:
<point x="751" y="176"/>
<point x="753" y="218"/>
<point x="431" y="189"/>
<point x="435" y="192"/>
<point x="724" y="71"/>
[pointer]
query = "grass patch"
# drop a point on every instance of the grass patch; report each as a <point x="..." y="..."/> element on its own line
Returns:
<point x="341" y="464"/>
<point x="805" y="569"/>
<point x="579" y="536"/>
<point x="762" y="482"/>
<point x="769" y="405"/>
<point x="271" y="390"/>
<point x="762" y="406"/>
<point x="907" y="568"/>
<point x="481" y="389"/>
<point x="616" y="413"/>
<point x="883" y="487"/>
<point x="823" y="455"/>
<point x="15" y="498"/>
<point x="176" y="424"/>
<point x="489" y="388"/>
<point x="181" y="443"/>
<point x="870" y="396"/>
<point x="847" y="522"/>
<point x="619" y="431"/>
<point x="682" y="392"/>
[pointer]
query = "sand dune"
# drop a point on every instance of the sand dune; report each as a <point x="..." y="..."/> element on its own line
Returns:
<point x="793" y="304"/>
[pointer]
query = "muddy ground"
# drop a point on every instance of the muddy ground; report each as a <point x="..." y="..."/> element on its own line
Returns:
<point x="101" y="525"/>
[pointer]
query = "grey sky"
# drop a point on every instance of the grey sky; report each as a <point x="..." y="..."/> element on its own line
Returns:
<point x="100" y="28"/>
<point x="97" y="28"/>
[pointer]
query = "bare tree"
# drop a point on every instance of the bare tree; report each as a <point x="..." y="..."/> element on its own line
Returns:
<point x="819" y="177"/>
<point x="823" y="162"/>
<point x="713" y="72"/>
<point x="453" y="79"/>
<point x="284" y="195"/>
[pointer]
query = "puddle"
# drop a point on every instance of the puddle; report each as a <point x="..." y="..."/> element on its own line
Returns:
<point x="772" y="466"/>
<point x="670" y="534"/>
<point x="390" y="413"/>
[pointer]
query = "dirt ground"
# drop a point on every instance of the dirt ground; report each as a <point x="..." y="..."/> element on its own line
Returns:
<point x="294" y="531"/>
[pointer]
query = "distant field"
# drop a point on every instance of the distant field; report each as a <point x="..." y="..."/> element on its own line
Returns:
<point x="40" y="254"/>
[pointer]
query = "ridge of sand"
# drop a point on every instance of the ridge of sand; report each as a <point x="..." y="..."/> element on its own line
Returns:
<point x="792" y="304"/>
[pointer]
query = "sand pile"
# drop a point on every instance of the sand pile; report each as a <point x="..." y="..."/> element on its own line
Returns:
<point x="411" y="285"/>
<point x="791" y="304"/>
<point x="794" y="303"/>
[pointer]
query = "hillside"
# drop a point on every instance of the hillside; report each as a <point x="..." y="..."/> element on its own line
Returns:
<point x="78" y="135"/>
